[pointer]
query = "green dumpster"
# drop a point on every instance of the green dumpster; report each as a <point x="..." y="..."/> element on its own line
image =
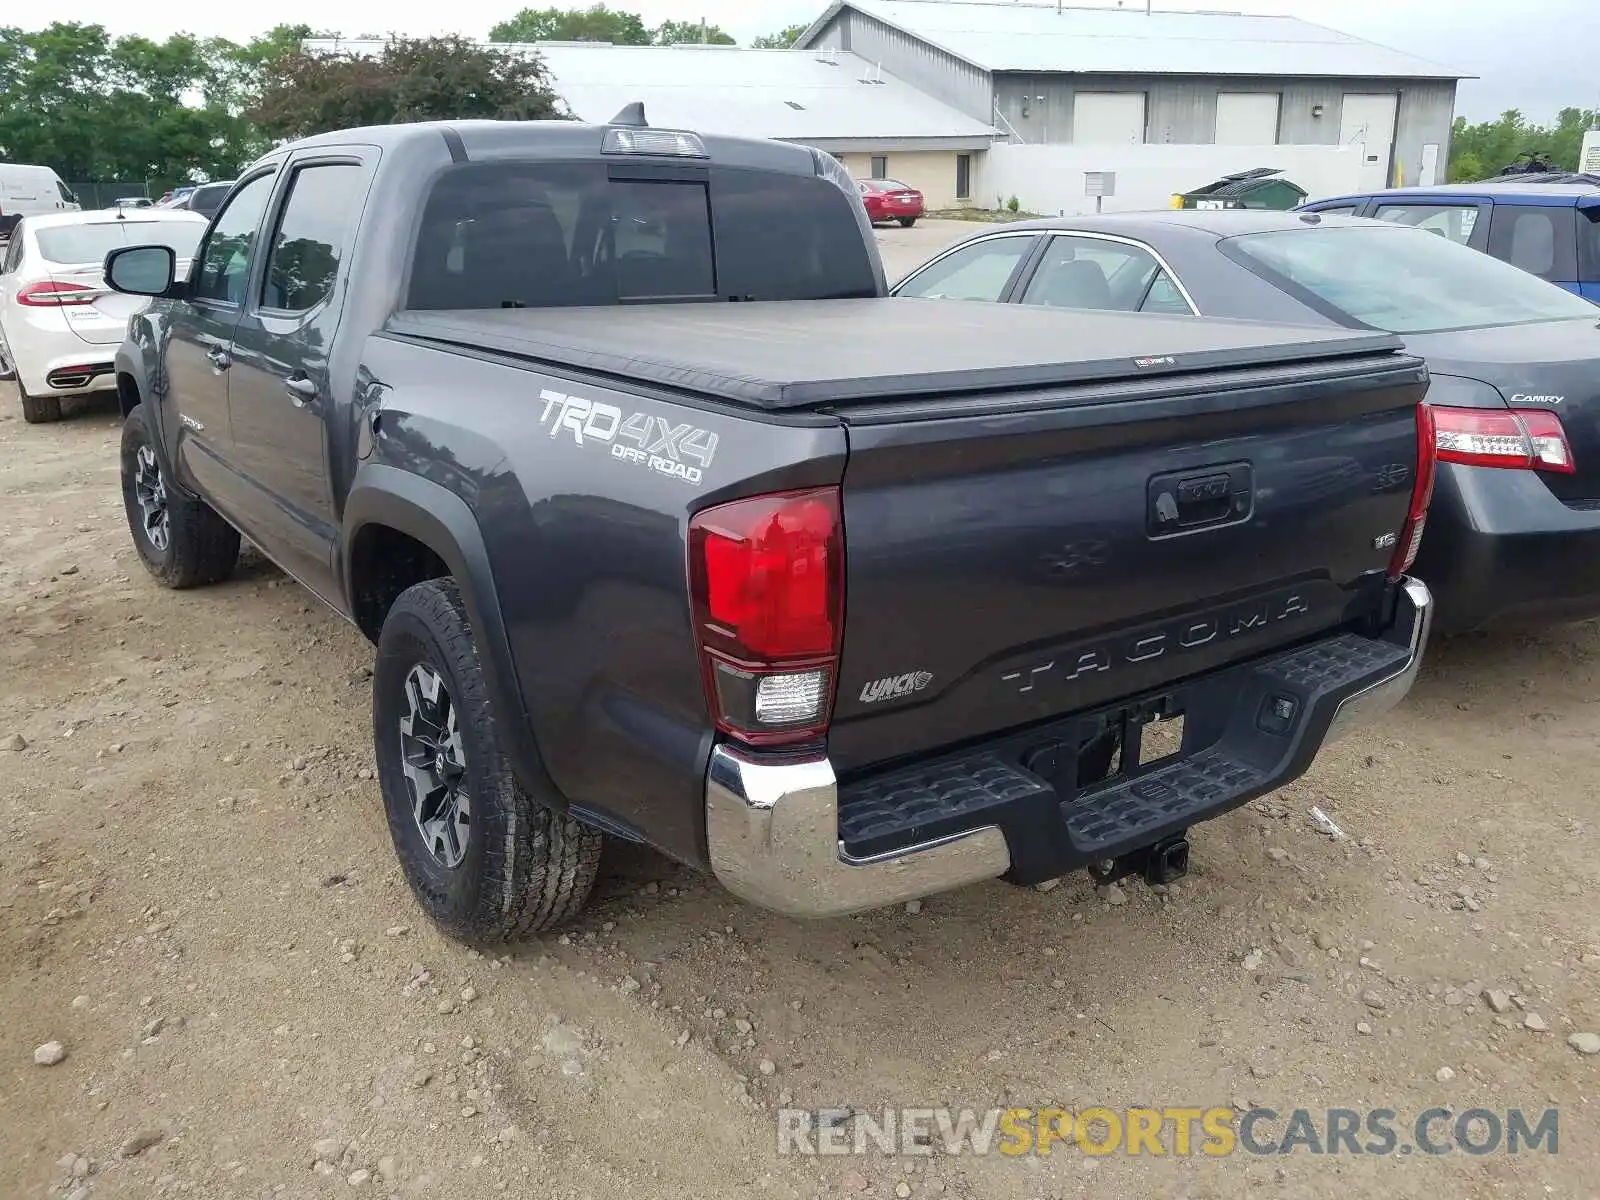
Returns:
<point x="1256" y="188"/>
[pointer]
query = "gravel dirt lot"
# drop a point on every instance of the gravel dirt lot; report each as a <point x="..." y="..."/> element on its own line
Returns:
<point x="199" y="902"/>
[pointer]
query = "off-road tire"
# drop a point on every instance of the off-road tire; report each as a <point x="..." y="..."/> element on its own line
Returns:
<point x="201" y="547"/>
<point x="525" y="866"/>
<point x="38" y="410"/>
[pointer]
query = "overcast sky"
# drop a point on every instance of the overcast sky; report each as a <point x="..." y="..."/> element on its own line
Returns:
<point x="1531" y="55"/>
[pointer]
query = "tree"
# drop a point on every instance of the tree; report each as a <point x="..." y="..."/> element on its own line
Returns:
<point x="678" y="33"/>
<point x="596" y="24"/>
<point x="412" y="79"/>
<point x="1480" y="151"/>
<point x="131" y="109"/>
<point x="781" y="40"/>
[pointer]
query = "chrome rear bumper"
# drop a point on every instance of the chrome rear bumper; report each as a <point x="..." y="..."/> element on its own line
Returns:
<point x="772" y="826"/>
<point x="773" y="832"/>
<point x="1412" y="624"/>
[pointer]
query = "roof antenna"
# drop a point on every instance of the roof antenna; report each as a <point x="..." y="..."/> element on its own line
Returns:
<point x="632" y="114"/>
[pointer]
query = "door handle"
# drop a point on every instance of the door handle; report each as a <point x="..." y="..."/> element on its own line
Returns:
<point x="301" y="389"/>
<point x="1181" y="501"/>
<point x="219" y="358"/>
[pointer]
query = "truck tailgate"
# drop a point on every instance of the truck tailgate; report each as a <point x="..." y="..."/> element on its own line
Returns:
<point x="1013" y="558"/>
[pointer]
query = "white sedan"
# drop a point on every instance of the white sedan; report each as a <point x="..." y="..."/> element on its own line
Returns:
<point x="60" y="326"/>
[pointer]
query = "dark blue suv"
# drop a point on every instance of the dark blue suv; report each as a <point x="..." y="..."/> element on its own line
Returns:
<point x="1546" y="224"/>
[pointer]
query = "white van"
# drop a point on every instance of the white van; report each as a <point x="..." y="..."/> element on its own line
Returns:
<point x="27" y="191"/>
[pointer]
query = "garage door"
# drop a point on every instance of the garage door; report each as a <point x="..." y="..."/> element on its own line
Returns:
<point x="1099" y="118"/>
<point x="1367" y="120"/>
<point x="1247" y="119"/>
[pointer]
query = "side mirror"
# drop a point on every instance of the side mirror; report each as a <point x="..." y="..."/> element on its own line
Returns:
<point x="142" y="270"/>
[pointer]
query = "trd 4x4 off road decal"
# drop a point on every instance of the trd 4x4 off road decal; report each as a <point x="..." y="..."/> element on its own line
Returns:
<point x="654" y="443"/>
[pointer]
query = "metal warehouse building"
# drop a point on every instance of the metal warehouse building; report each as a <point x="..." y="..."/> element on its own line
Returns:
<point x="833" y="100"/>
<point x="1048" y="73"/>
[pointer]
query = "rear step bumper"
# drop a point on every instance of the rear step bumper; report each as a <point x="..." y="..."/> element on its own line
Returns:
<point x="785" y="835"/>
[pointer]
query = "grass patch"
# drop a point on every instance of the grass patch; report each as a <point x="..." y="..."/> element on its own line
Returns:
<point x="987" y="216"/>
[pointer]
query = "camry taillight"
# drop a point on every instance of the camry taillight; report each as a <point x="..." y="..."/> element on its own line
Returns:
<point x="766" y="583"/>
<point x="51" y="294"/>
<point x="1487" y="437"/>
<point x="1405" y="550"/>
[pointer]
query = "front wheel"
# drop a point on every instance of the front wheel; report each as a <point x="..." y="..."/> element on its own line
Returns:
<point x="180" y="538"/>
<point x="486" y="860"/>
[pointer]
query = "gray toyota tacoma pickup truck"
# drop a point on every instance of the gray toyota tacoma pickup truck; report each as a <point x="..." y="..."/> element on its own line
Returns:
<point x="670" y="526"/>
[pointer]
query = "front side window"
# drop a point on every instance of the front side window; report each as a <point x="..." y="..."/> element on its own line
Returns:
<point x="66" y="193"/>
<point x="541" y="235"/>
<point x="1081" y="272"/>
<point x="224" y="269"/>
<point x="979" y="271"/>
<point x="1401" y="280"/>
<point x="312" y="237"/>
<point x="1454" y="221"/>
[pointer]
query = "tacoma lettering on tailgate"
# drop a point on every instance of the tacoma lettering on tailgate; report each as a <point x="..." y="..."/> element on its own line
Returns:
<point x="657" y="443"/>
<point x="1156" y="641"/>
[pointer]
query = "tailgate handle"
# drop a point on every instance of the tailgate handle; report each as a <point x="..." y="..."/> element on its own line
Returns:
<point x="1181" y="501"/>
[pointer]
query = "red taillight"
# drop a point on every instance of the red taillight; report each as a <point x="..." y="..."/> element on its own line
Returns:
<point x="1487" y="437"/>
<point x="1405" y="550"/>
<point x="766" y="581"/>
<point x="50" y="294"/>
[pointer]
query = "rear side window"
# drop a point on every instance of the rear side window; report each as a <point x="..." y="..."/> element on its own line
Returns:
<point x="538" y="235"/>
<point x="1081" y="272"/>
<point x="1589" y="244"/>
<point x="1539" y="240"/>
<point x="313" y="234"/>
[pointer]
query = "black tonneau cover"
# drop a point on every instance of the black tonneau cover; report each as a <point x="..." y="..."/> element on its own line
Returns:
<point x="813" y="353"/>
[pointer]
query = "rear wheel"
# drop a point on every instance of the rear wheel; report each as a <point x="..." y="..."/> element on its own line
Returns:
<point x="907" y="222"/>
<point x="36" y="410"/>
<point x="486" y="860"/>
<point x="180" y="538"/>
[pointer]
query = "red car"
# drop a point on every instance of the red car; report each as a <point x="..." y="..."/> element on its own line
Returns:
<point x="890" y="200"/>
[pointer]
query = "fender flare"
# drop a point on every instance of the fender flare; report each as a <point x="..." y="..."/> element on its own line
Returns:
<point x="442" y="521"/>
<point x="136" y="366"/>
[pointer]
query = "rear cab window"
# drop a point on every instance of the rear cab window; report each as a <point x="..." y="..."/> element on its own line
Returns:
<point x="1540" y="239"/>
<point x="559" y="234"/>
